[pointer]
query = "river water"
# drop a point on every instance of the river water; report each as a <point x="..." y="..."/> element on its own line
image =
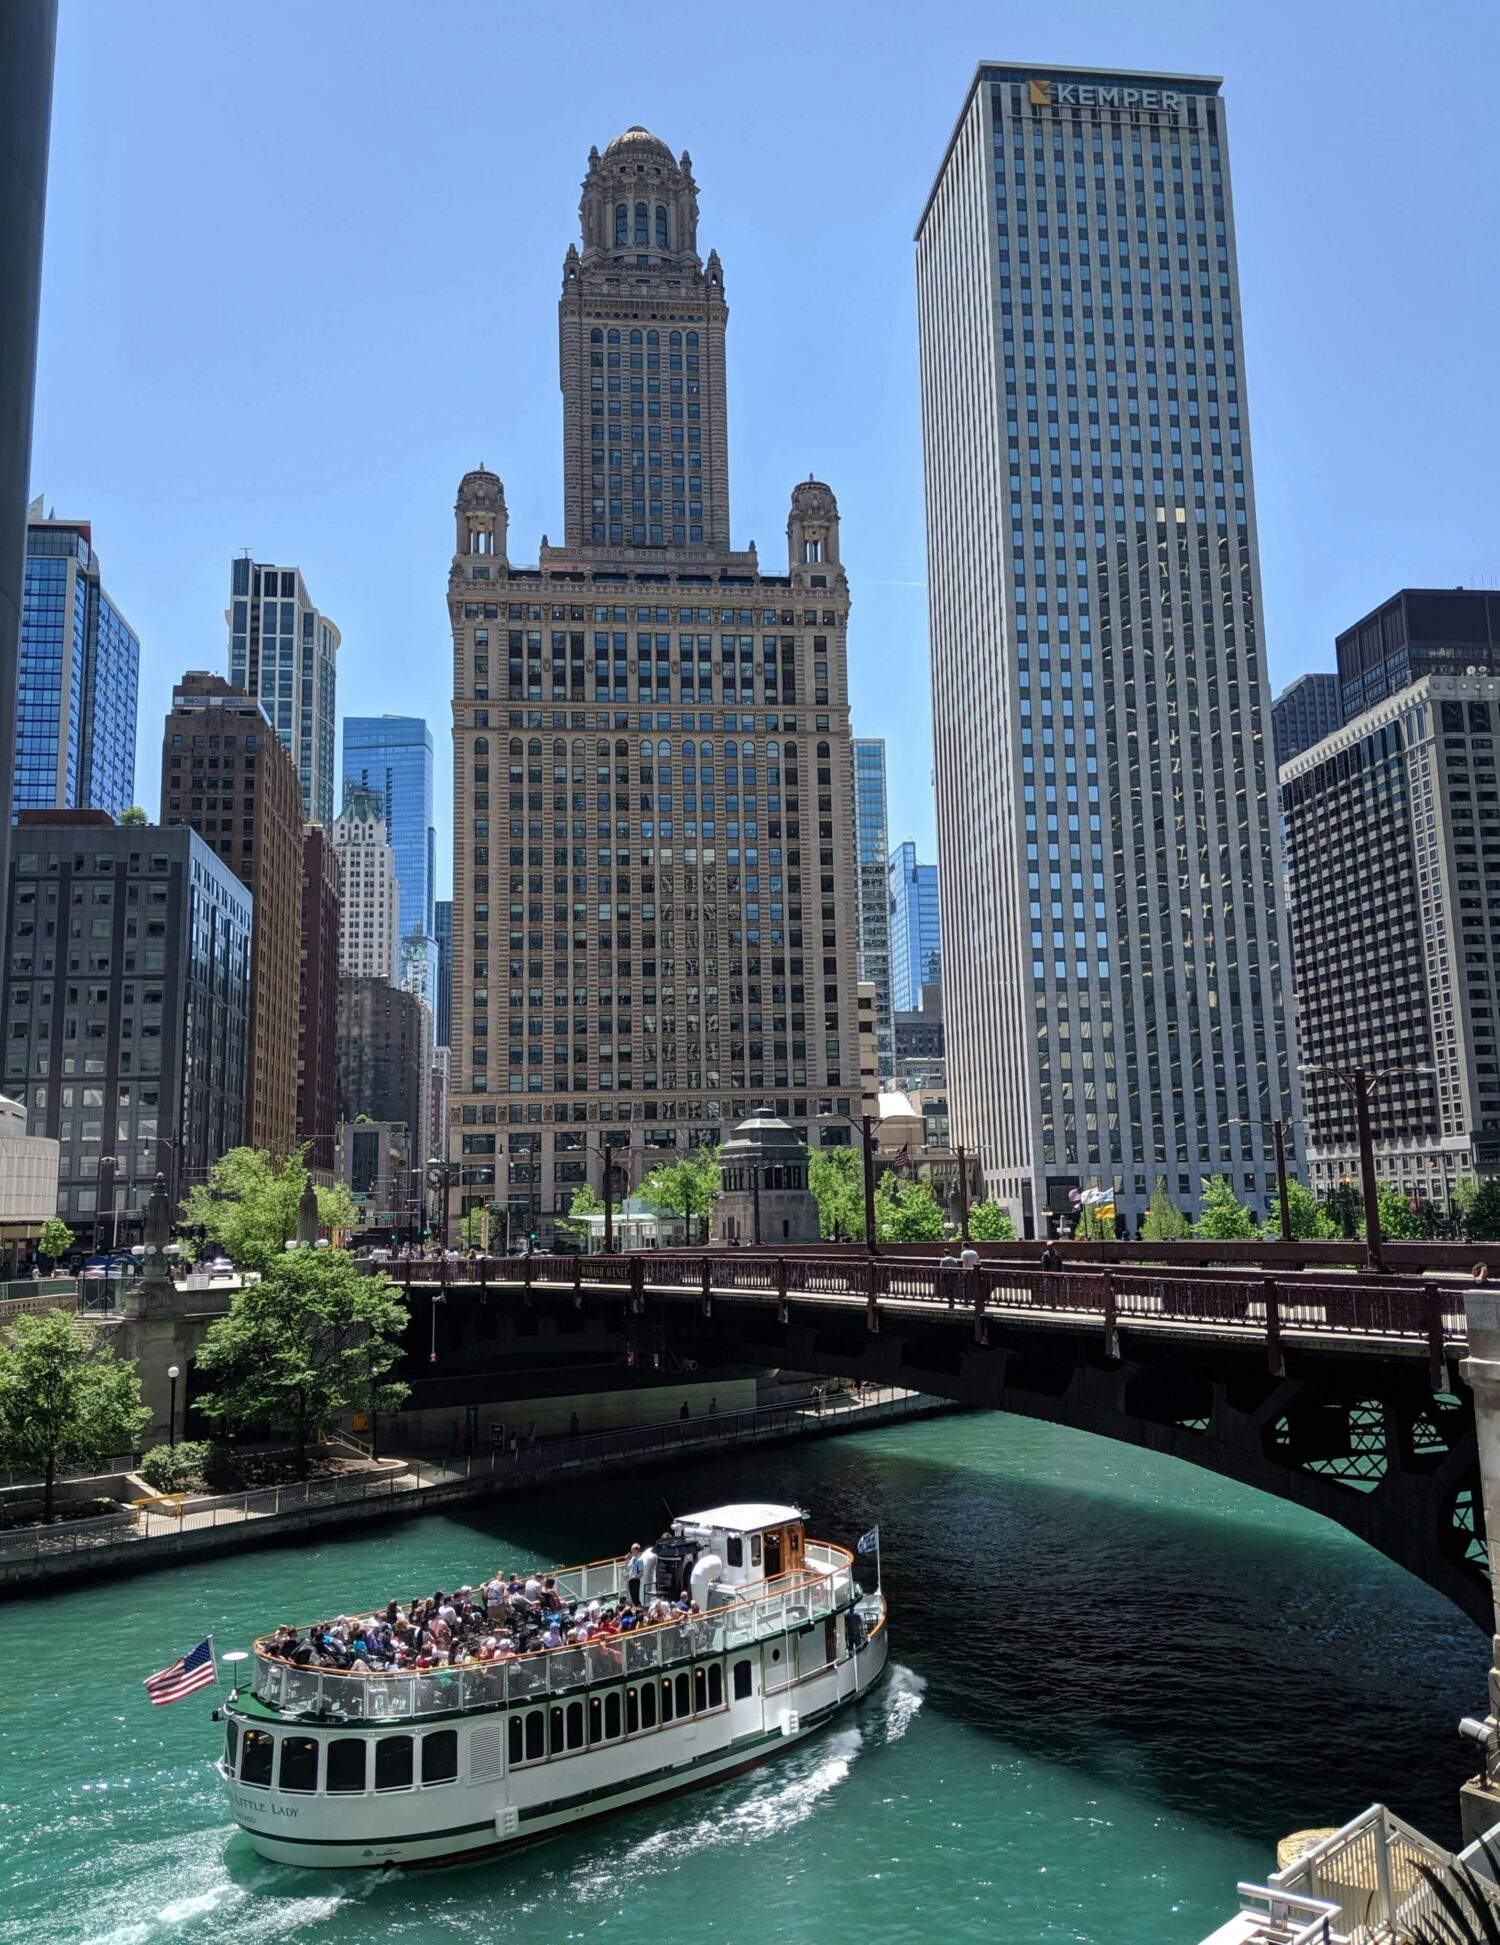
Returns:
<point x="1115" y="1683"/>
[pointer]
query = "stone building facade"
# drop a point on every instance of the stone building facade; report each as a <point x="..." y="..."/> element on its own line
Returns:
<point x="370" y="912"/>
<point x="318" y="1010"/>
<point x="653" y="913"/>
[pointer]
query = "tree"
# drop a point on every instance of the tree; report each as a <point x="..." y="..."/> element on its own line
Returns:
<point x="1345" y="1208"/>
<point x="472" y="1229"/>
<point x="688" y="1186"/>
<point x="1482" y="1217"/>
<point x="1224" y="1217"/>
<point x="1163" y="1221"/>
<point x="56" y="1238"/>
<point x="65" y="1399"/>
<point x="1309" y="1223"/>
<point x="1397" y="1221"/>
<point x="836" y="1178"/>
<point x="906" y="1212"/>
<point x="311" y="1339"/>
<point x="133" y="815"/>
<point x="990" y="1222"/>
<point x="249" y="1205"/>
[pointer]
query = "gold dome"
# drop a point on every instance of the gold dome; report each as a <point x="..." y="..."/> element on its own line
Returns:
<point x="639" y="143"/>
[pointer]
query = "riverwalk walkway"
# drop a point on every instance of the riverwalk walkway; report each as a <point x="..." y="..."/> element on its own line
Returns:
<point x="159" y="1533"/>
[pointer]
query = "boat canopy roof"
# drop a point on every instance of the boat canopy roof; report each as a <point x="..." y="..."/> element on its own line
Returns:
<point x="751" y="1517"/>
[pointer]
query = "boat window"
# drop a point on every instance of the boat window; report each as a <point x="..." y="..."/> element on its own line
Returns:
<point x="536" y="1735"/>
<point x="346" y="1766"/>
<point x="666" y="1698"/>
<point x="632" y="1712"/>
<point x="773" y="1555"/>
<point x="734" y="1550"/>
<point x="743" y="1681"/>
<point x="612" y="1716"/>
<point x="393" y="1763"/>
<point x="255" y="1761"/>
<point x="440" y="1756"/>
<point x="648" y="1705"/>
<point x="558" y="1746"/>
<point x="515" y="1741"/>
<point x="596" y="1719"/>
<point x="684" y="1693"/>
<point x="700" y="1689"/>
<point x="716" y="1687"/>
<point x="575" y="1725"/>
<point x="299" y="1763"/>
<point x="754" y="1549"/>
<point x="231" y="1745"/>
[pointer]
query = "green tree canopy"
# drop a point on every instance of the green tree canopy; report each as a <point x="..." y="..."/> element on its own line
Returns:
<point x="133" y="815"/>
<point x="1345" y="1209"/>
<point x="65" y="1399"/>
<point x="836" y="1178"/>
<point x="1163" y="1221"/>
<point x="1224" y="1217"/>
<point x="1397" y="1221"/>
<point x="472" y="1229"/>
<point x="311" y="1339"/>
<point x="687" y="1186"/>
<point x="990" y="1222"/>
<point x="1482" y="1218"/>
<point x="906" y="1212"/>
<point x="249" y="1205"/>
<point x="56" y="1238"/>
<point x="1309" y="1221"/>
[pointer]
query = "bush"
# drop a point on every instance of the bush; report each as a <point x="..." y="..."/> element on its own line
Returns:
<point x="223" y="1467"/>
<point x="174" y="1469"/>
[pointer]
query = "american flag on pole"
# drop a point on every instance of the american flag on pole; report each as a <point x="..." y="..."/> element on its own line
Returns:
<point x="196" y="1669"/>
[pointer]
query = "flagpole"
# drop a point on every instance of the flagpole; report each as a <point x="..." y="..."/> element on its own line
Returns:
<point x="213" y="1657"/>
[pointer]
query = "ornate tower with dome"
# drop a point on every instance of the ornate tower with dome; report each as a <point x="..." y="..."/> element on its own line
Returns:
<point x="653" y="924"/>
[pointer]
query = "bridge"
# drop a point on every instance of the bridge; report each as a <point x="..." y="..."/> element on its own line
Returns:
<point x="1340" y="1392"/>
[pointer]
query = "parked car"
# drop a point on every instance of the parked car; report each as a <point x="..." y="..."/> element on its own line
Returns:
<point x="221" y="1266"/>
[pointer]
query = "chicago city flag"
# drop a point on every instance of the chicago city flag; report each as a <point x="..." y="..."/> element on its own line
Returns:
<point x="195" y="1670"/>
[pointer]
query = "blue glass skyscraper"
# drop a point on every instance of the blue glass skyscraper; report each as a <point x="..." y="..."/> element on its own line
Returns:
<point x="916" y="950"/>
<point x="392" y="755"/>
<point x="79" y="671"/>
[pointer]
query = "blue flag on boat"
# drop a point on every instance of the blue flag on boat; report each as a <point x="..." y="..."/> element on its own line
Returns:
<point x="869" y="1542"/>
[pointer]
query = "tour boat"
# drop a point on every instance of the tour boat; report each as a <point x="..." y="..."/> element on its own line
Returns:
<point x="336" y="1769"/>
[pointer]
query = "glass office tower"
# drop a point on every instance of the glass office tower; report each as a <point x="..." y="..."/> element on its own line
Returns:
<point x="873" y="905"/>
<point x="284" y="652"/>
<point x="1114" y="943"/>
<point x="392" y="755"/>
<point x="916" y="949"/>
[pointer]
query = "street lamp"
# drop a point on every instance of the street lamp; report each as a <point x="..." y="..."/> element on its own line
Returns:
<point x="1278" y="1137"/>
<point x="110" y="1162"/>
<point x="440" y="1176"/>
<point x="963" y="1191"/>
<point x="606" y="1158"/>
<point x="173" y="1374"/>
<point x="1362" y="1083"/>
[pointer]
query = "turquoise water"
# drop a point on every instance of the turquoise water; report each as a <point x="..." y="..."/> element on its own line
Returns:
<point x="1115" y="1682"/>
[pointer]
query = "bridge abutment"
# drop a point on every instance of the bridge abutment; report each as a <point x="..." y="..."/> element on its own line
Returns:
<point x="1479" y="1799"/>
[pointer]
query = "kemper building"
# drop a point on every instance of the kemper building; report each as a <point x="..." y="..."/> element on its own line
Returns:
<point x="1113" y="945"/>
<point x="653" y="912"/>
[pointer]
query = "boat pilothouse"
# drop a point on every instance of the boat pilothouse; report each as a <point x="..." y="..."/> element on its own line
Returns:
<point x="551" y="1698"/>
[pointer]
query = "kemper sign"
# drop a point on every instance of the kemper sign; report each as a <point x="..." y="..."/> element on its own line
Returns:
<point x="1088" y="94"/>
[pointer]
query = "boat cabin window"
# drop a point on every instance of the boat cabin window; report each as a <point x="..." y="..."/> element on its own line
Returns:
<point x="299" y="1763"/>
<point x="346" y="1766"/>
<point x="255" y="1762"/>
<point x="393" y="1767"/>
<point x="773" y="1555"/>
<point x="715" y="1685"/>
<point x="440" y="1756"/>
<point x="536" y="1735"/>
<point x="754" y="1549"/>
<point x="648" y="1705"/>
<point x="734" y="1550"/>
<point x="743" y="1681"/>
<point x="231" y="1745"/>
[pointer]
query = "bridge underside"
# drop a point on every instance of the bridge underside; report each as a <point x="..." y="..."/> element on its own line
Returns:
<point x="1358" y="1437"/>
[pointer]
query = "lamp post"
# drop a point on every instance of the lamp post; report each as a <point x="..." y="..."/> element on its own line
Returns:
<point x="755" y="1201"/>
<point x="111" y="1163"/>
<point x="173" y="1374"/>
<point x="963" y="1192"/>
<point x="867" y="1136"/>
<point x="1278" y="1137"/>
<point x="607" y="1169"/>
<point x="440" y="1176"/>
<point x="1362" y="1083"/>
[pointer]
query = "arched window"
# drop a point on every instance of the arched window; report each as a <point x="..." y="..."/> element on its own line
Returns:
<point x="641" y="218"/>
<point x="622" y="748"/>
<point x="822" y="749"/>
<point x="622" y="223"/>
<point x="675" y="337"/>
<point x="692" y="338"/>
<point x="515" y="746"/>
<point x="664" y="749"/>
<point x="661" y="226"/>
<point x="596" y="336"/>
<point x="481" y="746"/>
<point x="534" y="747"/>
<point x="635" y="337"/>
<point x="614" y="337"/>
<point x="559" y="748"/>
<point x="653" y="337"/>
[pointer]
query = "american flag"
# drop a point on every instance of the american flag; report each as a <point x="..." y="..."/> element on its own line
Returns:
<point x="195" y="1670"/>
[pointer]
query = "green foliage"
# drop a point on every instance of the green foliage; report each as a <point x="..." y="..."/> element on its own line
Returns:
<point x="906" y="1212"/>
<point x="688" y="1186"/>
<point x="1345" y="1209"/>
<point x="133" y="815"/>
<point x="56" y="1238"/>
<point x="1164" y="1222"/>
<point x="471" y="1230"/>
<point x="1482" y="1218"/>
<point x="223" y="1468"/>
<point x="312" y="1339"/>
<point x="990" y="1222"/>
<point x="837" y="1180"/>
<point x="249" y="1205"/>
<point x="65" y="1399"/>
<point x="1396" y="1220"/>
<point x="1309" y="1222"/>
<point x="174" y="1468"/>
<point x="1224" y="1217"/>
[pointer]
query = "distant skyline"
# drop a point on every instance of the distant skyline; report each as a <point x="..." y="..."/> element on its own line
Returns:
<point x="295" y="331"/>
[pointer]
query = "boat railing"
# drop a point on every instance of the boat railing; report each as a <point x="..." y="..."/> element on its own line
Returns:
<point x="826" y="1589"/>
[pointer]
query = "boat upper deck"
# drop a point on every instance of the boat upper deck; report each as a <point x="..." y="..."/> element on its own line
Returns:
<point x="490" y="1670"/>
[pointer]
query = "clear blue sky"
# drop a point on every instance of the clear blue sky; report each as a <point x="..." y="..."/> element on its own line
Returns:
<point x="303" y="263"/>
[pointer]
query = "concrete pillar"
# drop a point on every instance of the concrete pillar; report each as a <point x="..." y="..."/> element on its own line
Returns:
<point x="1479" y="1799"/>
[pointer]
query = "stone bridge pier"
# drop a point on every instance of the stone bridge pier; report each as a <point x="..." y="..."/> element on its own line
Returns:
<point x="1480" y="1798"/>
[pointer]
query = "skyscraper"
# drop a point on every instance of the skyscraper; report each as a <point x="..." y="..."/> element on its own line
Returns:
<point x="392" y="755"/>
<point x="1307" y="710"/>
<point x="80" y="668"/>
<point x="871" y="891"/>
<point x="916" y="948"/>
<point x="653" y="885"/>
<point x="283" y="651"/>
<point x="318" y="1000"/>
<point x="1419" y="631"/>
<point x="1113" y="942"/>
<point x="443" y="932"/>
<point x="369" y="916"/>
